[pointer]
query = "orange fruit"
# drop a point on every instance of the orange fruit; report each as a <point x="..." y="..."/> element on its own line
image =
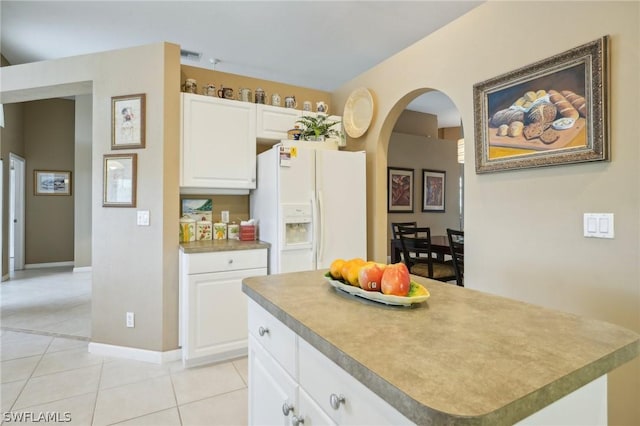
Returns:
<point x="336" y="268"/>
<point x="354" y="269"/>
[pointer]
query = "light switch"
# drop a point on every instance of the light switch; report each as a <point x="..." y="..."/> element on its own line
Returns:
<point x="598" y="225"/>
<point x="143" y="217"/>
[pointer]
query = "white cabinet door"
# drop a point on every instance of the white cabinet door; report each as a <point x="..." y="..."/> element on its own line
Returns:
<point x="270" y="388"/>
<point x="310" y="412"/>
<point x="216" y="320"/>
<point x="274" y="122"/>
<point x="218" y="148"/>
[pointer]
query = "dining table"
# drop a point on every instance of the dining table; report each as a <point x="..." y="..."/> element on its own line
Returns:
<point x="439" y="246"/>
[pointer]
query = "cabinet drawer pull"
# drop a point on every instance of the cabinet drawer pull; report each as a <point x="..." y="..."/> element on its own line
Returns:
<point x="230" y="261"/>
<point x="336" y="400"/>
<point x="263" y="330"/>
<point x="287" y="408"/>
<point x="295" y="420"/>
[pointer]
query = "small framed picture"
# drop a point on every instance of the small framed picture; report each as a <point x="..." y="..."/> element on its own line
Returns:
<point x="120" y="172"/>
<point x="433" y="189"/>
<point x="51" y="182"/>
<point x="128" y="121"/>
<point x="399" y="190"/>
<point x="198" y="209"/>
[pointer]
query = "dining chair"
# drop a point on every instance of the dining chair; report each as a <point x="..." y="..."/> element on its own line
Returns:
<point x="396" y="225"/>
<point x="395" y="241"/>
<point x="416" y="249"/>
<point x="456" y="244"/>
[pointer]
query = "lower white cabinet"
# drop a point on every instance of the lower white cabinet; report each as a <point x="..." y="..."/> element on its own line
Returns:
<point x="213" y="308"/>
<point x="271" y="389"/>
<point x="294" y="384"/>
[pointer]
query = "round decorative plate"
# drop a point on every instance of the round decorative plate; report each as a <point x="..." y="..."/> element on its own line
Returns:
<point x="358" y="112"/>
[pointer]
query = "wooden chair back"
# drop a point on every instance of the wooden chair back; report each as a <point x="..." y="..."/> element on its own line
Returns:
<point x="396" y="225"/>
<point x="418" y="256"/>
<point x="456" y="244"/>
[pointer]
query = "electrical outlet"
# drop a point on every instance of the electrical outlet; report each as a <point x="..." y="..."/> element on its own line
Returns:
<point x="130" y="319"/>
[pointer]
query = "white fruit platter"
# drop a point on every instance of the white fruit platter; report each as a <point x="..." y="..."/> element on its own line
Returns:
<point x="377" y="296"/>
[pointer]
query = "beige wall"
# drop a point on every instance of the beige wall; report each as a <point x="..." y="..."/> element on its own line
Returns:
<point x="134" y="268"/>
<point x="418" y="153"/>
<point x="82" y="183"/>
<point x="49" y="145"/>
<point x="11" y="141"/>
<point x="524" y="228"/>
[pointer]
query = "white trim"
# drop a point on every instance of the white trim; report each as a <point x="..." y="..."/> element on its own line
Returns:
<point x="46" y="265"/>
<point x="155" y="357"/>
<point x="82" y="269"/>
<point x="5" y="277"/>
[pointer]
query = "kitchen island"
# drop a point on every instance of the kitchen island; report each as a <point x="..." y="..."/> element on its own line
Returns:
<point x="461" y="357"/>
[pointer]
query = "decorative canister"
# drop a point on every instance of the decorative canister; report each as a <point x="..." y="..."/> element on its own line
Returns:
<point x="190" y="86"/>
<point x="306" y="106"/>
<point x="233" y="231"/>
<point x="219" y="231"/>
<point x="187" y="230"/>
<point x="204" y="230"/>
<point x="209" y="90"/>
<point x="290" y="102"/>
<point x="294" y="134"/>
<point x="261" y="96"/>
<point x="275" y="99"/>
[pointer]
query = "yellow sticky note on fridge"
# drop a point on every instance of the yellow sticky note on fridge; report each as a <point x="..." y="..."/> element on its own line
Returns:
<point x="294" y="152"/>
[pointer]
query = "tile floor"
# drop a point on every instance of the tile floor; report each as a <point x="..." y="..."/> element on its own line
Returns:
<point x="46" y="369"/>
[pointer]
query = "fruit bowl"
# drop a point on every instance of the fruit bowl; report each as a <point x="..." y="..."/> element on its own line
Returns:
<point x="379" y="297"/>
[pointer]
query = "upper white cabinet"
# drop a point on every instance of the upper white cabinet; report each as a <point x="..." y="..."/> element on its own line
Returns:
<point x="274" y="122"/>
<point x="218" y="148"/>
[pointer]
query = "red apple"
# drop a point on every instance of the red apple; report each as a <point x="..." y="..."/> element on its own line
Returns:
<point x="370" y="276"/>
<point x="396" y="280"/>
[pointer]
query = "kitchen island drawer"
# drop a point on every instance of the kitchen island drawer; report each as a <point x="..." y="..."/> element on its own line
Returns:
<point x="278" y="339"/>
<point x="342" y="397"/>
<point x="232" y="260"/>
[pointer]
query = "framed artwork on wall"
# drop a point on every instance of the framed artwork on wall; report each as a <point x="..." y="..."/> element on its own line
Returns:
<point x="51" y="182"/>
<point x="128" y="121"/>
<point x="119" y="175"/>
<point x="551" y="112"/>
<point x="399" y="190"/>
<point x="433" y="190"/>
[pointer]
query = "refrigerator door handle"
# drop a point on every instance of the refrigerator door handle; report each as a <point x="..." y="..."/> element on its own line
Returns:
<point x="314" y="230"/>
<point x="321" y="228"/>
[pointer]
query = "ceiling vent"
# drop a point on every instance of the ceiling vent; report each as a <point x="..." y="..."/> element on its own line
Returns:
<point x="190" y="55"/>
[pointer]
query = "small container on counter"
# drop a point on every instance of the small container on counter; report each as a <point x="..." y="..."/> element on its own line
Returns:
<point x="233" y="231"/>
<point x="219" y="231"/>
<point x="247" y="232"/>
<point x="204" y="230"/>
<point x="187" y="230"/>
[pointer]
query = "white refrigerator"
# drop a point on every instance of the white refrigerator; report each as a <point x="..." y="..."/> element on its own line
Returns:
<point x="311" y="206"/>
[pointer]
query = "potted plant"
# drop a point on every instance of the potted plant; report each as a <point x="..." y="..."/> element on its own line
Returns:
<point x="317" y="128"/>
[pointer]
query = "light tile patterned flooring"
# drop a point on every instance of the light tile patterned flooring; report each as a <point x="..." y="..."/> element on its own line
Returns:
<point x="46" y="368"/>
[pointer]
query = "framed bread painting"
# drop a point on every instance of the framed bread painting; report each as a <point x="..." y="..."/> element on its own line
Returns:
<point x="551" y="112"/>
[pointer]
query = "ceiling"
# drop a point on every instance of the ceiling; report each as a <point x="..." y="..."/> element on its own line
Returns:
<point x="316" y="44"/>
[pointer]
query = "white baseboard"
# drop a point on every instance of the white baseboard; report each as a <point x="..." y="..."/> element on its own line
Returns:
<point x="47" y="265"/>
<point x="155" y="357"/>
<point x="82" y="269"/>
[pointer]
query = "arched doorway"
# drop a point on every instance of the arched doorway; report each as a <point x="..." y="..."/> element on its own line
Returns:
<point x="420" y="137"/>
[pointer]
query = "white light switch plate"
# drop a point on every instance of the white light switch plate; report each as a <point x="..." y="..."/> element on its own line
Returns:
<point x="143" y="217"/>
<point x="598" y="225"/>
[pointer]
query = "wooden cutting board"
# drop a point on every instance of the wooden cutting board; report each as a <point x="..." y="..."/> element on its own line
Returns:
<point x="575" y="136"/>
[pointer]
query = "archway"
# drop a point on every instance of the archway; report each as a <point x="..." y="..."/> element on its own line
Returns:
<point x="425" y="144"/>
